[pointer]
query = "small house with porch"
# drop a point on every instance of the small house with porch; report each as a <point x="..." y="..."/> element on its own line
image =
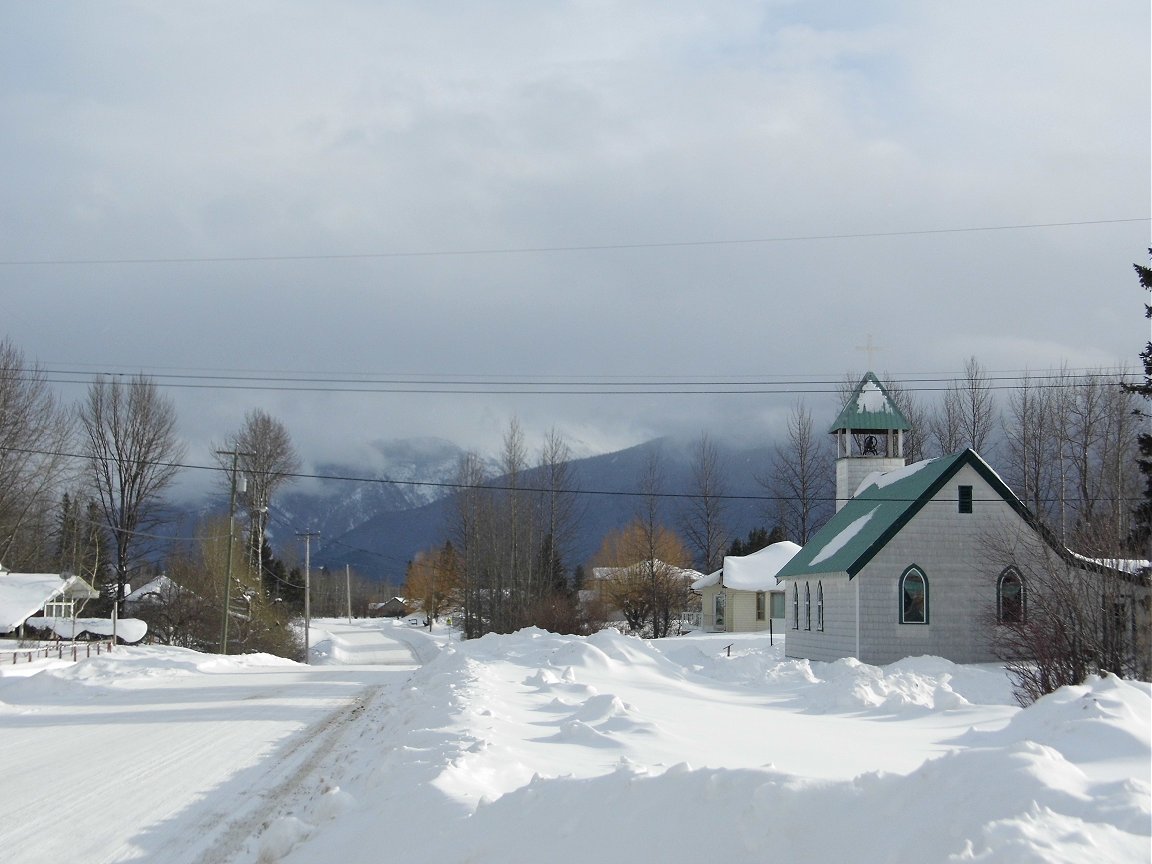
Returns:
<point x="744" y="596"/>
<point x="50" y="595"/>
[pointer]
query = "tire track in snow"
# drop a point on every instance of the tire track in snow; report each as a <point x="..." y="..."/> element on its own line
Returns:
<point x="307" y="755"/>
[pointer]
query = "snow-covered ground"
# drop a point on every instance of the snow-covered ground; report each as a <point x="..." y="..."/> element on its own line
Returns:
<point x="402" y="745"/>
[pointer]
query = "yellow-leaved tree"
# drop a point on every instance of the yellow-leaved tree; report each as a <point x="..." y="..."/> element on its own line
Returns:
<point x="642" y="571"/>
<point x="434" y="581"/>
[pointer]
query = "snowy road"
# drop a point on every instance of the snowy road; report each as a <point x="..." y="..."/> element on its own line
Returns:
<point x="528" y="746"/>
<point x="176" y="761"/>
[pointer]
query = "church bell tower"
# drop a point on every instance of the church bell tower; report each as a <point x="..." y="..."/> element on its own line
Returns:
<point x="869" y="437"/>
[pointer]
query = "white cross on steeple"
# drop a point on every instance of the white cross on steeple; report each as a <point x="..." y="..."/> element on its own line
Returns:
<point x="870" y="348"/>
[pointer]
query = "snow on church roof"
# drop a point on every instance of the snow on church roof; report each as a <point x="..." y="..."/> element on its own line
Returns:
<point x="882" y="505"/>
<point x="870" y="409"/>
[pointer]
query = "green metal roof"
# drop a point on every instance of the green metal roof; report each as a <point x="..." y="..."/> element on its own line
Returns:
<point x="870" y="409"/>
<point x="866" y="523"/>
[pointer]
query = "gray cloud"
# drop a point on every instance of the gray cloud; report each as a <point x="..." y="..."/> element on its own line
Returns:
<point x="166" y="130"/>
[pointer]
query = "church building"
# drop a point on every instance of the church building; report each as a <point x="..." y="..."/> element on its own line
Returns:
<point x="905" y="566"/>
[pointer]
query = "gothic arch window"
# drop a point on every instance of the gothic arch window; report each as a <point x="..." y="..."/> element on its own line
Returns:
<point x="819" y="605"/>
<point x="795" y="607"/>
<point x="1010" y="597"/>
<point x="913" y="597"/>
<point x="807" y="607"/>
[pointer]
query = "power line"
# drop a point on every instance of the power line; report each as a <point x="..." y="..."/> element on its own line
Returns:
<point x="479" y="487"/>
<point x="533" y="250"/>
<point x="583" y="386"/>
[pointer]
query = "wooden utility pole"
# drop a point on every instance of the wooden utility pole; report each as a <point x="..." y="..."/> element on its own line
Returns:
<point x="231" y="536"/>
<point x="348" y="589"/>
<point x="307" y="535"/>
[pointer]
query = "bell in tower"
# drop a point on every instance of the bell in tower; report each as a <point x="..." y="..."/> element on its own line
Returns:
<point x="869" y="437"/>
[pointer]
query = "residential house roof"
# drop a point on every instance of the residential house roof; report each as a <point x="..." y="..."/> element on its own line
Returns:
<point x="754" y="572"/>
<point x="24" y="594"/>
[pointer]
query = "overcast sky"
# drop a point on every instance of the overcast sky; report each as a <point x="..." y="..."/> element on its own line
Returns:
<point x="605" y="162"/>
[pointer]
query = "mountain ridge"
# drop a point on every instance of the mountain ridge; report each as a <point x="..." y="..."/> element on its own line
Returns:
<point x="380" y="545"/>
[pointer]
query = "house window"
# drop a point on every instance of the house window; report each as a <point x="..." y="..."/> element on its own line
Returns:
<point x="718" y="610"/>
<point x="1010" y="597"/>
<point x="795" y="607"/>
<point x="776" y="601"/>
<point x="760" y="604"/>
<point x="913" y="597"/>
<point x="965" y="499"/>
<point x="819" y="605"/>
<point x="807" y="608"/>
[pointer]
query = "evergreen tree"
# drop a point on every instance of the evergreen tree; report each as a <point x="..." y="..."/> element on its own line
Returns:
<point x="1142" y="527"/>
<point x="757" y="539"/>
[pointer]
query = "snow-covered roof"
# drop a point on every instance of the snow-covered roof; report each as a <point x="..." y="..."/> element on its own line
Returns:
<point x="395" y="600"/>
<point x="129" y="629"/>
<point x="611" y="572"/>
<point x="870" y="409"/>
<point x="159" y="586"/>
<point x="880" y="508"/>
<point x="1131" y="566"/>
<point x="757" y="572"/>
<point x="24" y="594"/>
<point x="754" y="572"/>
<point x="708" y="581"/>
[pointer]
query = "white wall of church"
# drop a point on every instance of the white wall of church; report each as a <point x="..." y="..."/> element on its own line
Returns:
<point x="838" y="638"/>
<point x="951" y="548"/>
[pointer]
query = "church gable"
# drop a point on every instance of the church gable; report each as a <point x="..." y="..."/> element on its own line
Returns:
<point x="881" y="508"/>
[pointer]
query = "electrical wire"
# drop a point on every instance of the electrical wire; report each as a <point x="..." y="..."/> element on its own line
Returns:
<point x="584" y="385"/>
<point x="535" y="250"/>
<point x="483" y="486"/>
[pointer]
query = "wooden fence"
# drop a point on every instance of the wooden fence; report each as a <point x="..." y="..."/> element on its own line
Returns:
<point x="61" y="651"/>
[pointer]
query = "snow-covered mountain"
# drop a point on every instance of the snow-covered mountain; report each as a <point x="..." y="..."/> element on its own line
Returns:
<point x="380" y="545"/>
<point x="377" y="512"/>
<point x="396" y="475"/>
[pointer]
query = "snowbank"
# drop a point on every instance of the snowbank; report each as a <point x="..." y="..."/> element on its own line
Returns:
<point x="531" y="745"/>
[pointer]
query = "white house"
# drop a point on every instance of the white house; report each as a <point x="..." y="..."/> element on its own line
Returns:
<point x="744" y="596"/>
<point x="23" y="595"/>
<point x="52" y="603"/>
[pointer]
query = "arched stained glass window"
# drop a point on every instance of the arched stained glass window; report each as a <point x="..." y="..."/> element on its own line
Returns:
<point x="795" y="607"/>
<point x="1010" y="597"/>
<point x="913" y="597"/>
<point x="819" y="605"/>
<point x="807" y="607"/>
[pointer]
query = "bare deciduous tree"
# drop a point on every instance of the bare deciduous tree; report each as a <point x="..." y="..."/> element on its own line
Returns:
<point x="473" y="532"/>
<point x="268" y="459"/>
<point x="967" y="414"/>
<point x="560" y="510"/>
<point x="1031" y="435"/>
<point x="801" y="478"/>
<point x="132" y="449"/>
<point x="916" y="437"/>
<point x="35" y="431"/>
<point x="703" y="519"/>
<point x="1069" y="616"/>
